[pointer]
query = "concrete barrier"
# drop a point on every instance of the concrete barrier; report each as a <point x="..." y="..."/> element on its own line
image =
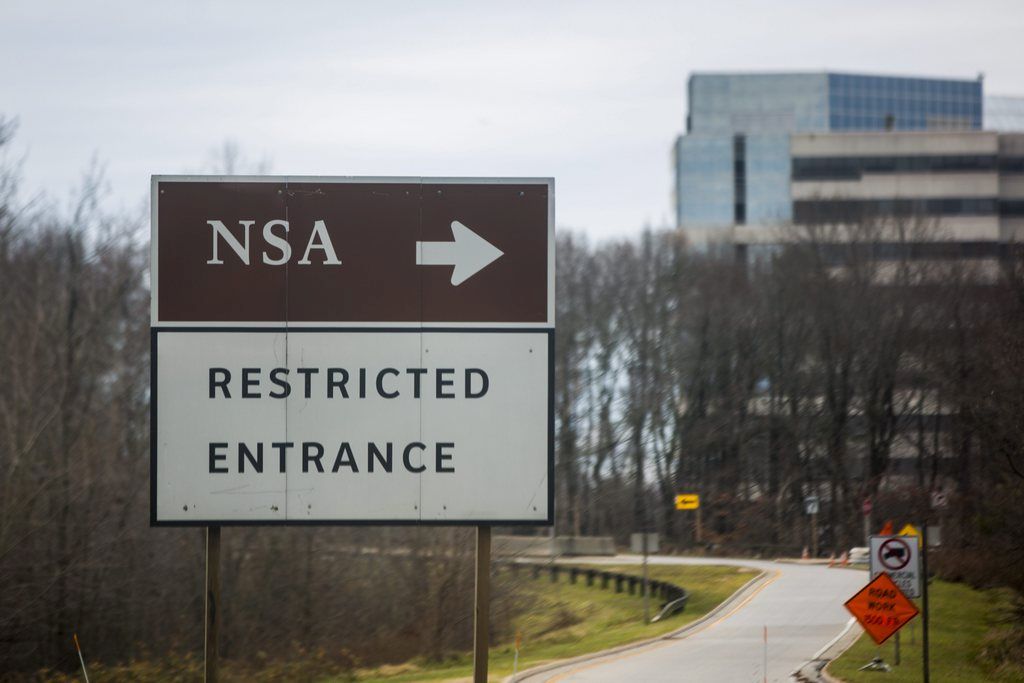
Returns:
<point x="545" y="546"/>
<point x="522" y="546"/>
<point x="585" y="545"/>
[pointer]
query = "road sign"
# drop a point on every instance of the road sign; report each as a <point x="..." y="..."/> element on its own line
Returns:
<point x="881" y="608"/>
<point x="911" y="530"/>
<point x="335" y="350"/>
<point x="687" y="501"/>
<point x="811" y="505"/>
<point x="897" y="556"/>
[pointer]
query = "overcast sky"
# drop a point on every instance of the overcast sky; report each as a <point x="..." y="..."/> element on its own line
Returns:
<point x="592" y="93"/>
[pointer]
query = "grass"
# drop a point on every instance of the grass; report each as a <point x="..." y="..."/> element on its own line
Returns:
<point x="565" y="621"/>
<point x="961" y="618"/>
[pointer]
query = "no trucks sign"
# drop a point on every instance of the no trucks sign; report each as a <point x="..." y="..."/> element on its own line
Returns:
<point x="899" y="557"/>
<point x="340" y="350"/>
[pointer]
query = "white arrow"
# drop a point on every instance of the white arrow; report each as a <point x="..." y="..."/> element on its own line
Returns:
<point x="469" y="253"/>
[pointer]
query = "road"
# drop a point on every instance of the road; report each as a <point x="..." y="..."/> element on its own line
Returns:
<point x="801" y="606"/>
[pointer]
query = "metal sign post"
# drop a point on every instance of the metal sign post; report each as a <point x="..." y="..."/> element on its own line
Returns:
<point x="924" y="602"/>
<point x="210" y="657"/>
<point x="647" y="609"/>
<point x="515" y="657"/>
<point x="866" y="509"/>
<point x="481" y="603"/>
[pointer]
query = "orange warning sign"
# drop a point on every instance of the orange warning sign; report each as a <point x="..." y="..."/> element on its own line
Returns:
<point x="881" y="608"/>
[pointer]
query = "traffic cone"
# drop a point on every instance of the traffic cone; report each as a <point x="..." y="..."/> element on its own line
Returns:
<point x="832" y="559"/>
<point x="844" y="559"/>
<point x="805" y="555"/>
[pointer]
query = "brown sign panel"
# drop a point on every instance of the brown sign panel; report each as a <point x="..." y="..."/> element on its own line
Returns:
<point x="326" y="251"/>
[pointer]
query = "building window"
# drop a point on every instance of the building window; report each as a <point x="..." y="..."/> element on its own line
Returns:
<point x="1011" y="165"/>
<point x="852" y="168"/>
<point x="850" y="210"/>
<point x="739" y="179"/>
<point x="1011" y="207"/>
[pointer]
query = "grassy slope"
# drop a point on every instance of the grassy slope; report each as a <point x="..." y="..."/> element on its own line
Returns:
<point x="960" y="618"/>
<point x="569" y="620"/>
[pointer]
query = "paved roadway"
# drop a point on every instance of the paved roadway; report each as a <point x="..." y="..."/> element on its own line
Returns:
<point x="802" y="606"/>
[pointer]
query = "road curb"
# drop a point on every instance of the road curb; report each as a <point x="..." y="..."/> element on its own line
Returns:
<point x="813" y="671"/>
<point x="742" y="593"/>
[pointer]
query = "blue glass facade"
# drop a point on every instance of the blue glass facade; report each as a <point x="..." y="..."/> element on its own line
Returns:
<point x="704" y="182"/>
<point x="881" y="102"/>
<point x="726" y="104"/>
<point x="768" y="171"/>
<point x="763" y="109"/>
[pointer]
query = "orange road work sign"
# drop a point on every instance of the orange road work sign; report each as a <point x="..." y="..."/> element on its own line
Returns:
<point x="881" y="608"/>
<point x="687" y="501"/>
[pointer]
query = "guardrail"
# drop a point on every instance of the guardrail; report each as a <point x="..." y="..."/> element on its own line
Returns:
<point x="673" y="598"/>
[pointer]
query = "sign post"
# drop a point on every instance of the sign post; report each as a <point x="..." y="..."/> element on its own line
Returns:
<point x="482" y="604"/>
<point x="515" y="657"/>
<point x="352" y="351"/>
<point x="211" y="648"/>
<point x="691" y="501"/>
<point x="865" y="508"/>
<point x="924" y="603"/>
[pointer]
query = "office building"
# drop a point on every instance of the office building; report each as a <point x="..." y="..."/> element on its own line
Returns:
<point x="933" y="197"/>
<point x="732" y="166"/>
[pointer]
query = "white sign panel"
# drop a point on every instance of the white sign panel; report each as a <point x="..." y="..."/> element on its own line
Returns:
<point x="811" y="505"/>
<point x="275" y="426"/>
<point x="897" y="556"/>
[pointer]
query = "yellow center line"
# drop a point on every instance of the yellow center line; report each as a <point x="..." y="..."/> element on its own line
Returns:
<point x="668" y="641"/>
